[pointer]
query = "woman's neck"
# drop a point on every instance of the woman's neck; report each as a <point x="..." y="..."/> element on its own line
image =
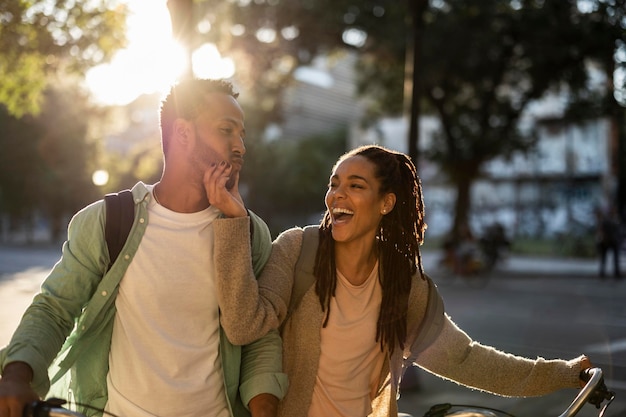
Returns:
<point x="355" y="263"/>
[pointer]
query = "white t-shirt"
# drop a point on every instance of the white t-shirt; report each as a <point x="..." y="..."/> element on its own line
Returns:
<point x="164" y="357"/>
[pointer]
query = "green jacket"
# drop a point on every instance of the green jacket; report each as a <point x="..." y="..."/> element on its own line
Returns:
<point x="78" y="299"/>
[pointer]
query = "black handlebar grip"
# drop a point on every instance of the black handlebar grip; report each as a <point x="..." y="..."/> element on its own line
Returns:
<point x="35" y="409"/>
<point x="41" y="408"/>
<point x="600" y="393"/>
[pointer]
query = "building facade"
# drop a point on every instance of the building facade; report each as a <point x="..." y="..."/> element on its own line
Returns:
<point x="552" y="190"/>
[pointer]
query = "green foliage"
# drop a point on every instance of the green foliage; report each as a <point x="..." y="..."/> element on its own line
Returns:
<point x="298" y="31"/>
<point x="47" y="160"/>
<point x="22" y="82"/>
<point x="562" y="246"/>
<point x="39" y="38"/>
<point x="20" y="166"/>
<point x="484" y="62"/>
<point x="142" y="163"/>
<point x="286" y="180"/>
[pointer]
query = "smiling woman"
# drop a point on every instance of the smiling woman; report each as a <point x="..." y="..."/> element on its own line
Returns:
<point x="152" y="61"/>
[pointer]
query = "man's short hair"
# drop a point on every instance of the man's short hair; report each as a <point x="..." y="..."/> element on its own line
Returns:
<point x="187" y="99"/>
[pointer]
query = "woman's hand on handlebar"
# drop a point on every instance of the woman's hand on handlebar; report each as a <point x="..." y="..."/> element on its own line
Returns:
<point x="584" y="365"/>
<point x="15" y="390"/>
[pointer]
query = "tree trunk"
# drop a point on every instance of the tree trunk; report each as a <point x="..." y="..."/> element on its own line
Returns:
<point x="464" y="176"/>
<point x="414" y="52"/>
<point x="463" y="204"/>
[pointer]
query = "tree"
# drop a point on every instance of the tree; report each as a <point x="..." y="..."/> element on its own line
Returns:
<point x="412" y="74"/>
<point x="20" y="167"/>
<point x="40" y="37"/>
<point x="482" y="63"/>
<point x="47" y="160"/>
<point x="67" y="153"/>
<point x="607" y="37"/>
<point x="285" y="181"/>
<point x="270" y="40"/>
<point x="497" y="59"/>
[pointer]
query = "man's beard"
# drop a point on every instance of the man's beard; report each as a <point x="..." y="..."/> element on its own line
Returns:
<point x="204" y="156"/>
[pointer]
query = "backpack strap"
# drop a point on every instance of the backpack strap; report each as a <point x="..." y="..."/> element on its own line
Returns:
<point x="303" y="277"/>
<point x="120" y="215"/>
<point x="432" y="324"/>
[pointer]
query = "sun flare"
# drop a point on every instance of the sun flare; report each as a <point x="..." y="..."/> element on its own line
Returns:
<point x="153" y="61"/>
<point x="207" y="62"/>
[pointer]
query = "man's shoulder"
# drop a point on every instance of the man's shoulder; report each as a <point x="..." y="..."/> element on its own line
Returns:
<point x="89" y="213"/>
<point x="138" y="191"/>
<point x="259" y="229"/>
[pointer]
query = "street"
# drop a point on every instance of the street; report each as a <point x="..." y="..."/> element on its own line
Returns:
<point x="21" y="271"/>
<point x="534" y="313"/>
<point x="552" y="316"/>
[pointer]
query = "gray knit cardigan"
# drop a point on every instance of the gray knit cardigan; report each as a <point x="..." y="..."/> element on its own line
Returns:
<point x="249" y="308"/>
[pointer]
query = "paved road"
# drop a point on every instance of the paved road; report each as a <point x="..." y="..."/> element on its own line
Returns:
<point x="528" y="279"/>
<point x="546" y="307"/>
<point x="22" y="269"/>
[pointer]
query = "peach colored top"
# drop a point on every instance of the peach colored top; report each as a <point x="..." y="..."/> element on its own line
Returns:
<point x="351" y="360"/>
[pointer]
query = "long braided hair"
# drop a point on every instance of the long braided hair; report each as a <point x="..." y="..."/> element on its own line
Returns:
<point x="400" y="233"/>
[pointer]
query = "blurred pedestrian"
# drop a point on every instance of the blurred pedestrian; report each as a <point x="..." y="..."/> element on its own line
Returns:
<point x="608" y="239"/>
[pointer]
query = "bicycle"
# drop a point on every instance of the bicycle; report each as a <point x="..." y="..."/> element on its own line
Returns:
<point x="473" y="269"/>
<point x="474" y="259"/>
<point x="594" y="392"/>
<point x="53" y="407"/>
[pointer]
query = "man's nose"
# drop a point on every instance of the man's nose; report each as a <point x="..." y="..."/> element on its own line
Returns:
<point x="239" y="147"/>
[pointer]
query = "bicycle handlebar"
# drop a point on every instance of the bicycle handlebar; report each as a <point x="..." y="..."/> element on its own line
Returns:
<point x="50" y="408"/>
<point x="594" y="392"/>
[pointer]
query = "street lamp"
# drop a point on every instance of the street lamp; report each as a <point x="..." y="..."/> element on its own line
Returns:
<point x="100" y="177"/>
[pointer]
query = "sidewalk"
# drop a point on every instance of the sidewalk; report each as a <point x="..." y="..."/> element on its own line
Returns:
<point x="431" y="390"/>
<point x="22" y="269"/>
<point x="512" y="264"/>
<point x="531" y="266"/>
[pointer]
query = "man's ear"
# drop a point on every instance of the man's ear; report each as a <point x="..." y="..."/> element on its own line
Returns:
<point x="182" y="131"/>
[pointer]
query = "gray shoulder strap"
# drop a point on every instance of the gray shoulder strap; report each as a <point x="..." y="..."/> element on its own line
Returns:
<point x="432" y="324"/>
<point x="303" y="274"/>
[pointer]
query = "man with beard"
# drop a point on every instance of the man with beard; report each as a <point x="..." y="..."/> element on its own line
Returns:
<point x="144" y="333"/>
